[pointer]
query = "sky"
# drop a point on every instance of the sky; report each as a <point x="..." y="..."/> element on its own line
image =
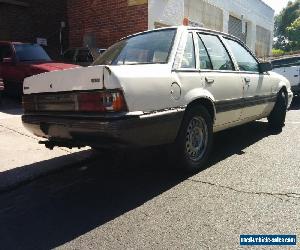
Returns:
<point x="277" y="5"/>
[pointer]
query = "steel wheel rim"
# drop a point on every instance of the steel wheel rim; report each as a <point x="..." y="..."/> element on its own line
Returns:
<point x="196" y="138"/>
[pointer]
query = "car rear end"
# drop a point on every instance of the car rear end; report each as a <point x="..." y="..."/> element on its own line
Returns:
<point x="72" y="107"/>
<point x="88" y="107"/>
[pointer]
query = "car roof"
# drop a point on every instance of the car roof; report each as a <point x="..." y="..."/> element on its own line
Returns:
<point x="183" y="27"/>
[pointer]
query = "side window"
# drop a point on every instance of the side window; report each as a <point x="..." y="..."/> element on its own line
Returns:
<point x="205" y="62"/>
<point x="287" y="62"/>
<point x="294" y="61"/>
<point x="244" y="59"/>
<point x="278" y="64"/>
<point x="188" y="59"/>
<point x="219" y="57"/>
<point x="5" y="51"/>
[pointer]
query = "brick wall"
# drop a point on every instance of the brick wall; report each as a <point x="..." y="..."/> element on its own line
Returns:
<point x="105" y="21"/>
<point x="32" y="19"/>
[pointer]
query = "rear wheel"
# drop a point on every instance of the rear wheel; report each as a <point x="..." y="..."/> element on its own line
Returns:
<point x="277" y="117"/>
<point x="194" y="140"/>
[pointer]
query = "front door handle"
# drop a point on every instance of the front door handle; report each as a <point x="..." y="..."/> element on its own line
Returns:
<point x="209" y="80"/>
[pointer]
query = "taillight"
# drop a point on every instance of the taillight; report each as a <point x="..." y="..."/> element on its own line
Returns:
<point x="101" y="101"/>
<point x="1" y="85"/>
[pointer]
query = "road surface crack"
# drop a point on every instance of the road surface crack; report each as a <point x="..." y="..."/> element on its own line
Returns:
<point x="277" y="195"/>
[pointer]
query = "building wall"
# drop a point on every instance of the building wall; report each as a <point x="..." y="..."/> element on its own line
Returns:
<point x="100" y="23"/>
<point x="215" y="14"/>
<point x="25" y="20"/>
<point x="167" y="12"/>
<point x="205" y="13"/>
<point x="254" y="12"/>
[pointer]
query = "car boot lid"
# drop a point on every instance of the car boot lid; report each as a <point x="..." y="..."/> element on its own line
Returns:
<point x="75" y="79"/>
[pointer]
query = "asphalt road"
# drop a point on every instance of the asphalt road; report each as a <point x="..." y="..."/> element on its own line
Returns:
<point x="138" y="201"/>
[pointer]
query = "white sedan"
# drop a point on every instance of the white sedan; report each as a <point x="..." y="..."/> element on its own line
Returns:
<point x="174" y="86"/>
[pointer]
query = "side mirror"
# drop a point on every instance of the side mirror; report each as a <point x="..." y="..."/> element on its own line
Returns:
<point x="7" y="60"/>
<point x="265" y="67"/>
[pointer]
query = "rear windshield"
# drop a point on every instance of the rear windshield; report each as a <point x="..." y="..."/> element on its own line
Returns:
<point x="31" y="52"/>
<point x="147" y="48"/>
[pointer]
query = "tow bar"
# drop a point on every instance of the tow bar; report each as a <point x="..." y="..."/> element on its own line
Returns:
<point x="51" y="144"/>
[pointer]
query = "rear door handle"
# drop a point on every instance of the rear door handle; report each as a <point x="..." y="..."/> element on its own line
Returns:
<point x="247" y="80"/>
<point x="209" y="80"/>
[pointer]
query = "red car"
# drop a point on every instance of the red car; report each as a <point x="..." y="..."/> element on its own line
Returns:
<point x="21" y="60"/>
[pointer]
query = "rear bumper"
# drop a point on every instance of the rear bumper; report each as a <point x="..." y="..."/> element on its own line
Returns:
<point x="117" y="131"/>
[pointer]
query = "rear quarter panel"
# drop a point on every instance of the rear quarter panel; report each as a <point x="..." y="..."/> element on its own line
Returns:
<point x="146" y="87"/>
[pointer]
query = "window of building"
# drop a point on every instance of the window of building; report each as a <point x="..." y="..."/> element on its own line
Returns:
<point x="219" y="57"/>
<point x="244" y="59"/>
<point x="188" y="59"/>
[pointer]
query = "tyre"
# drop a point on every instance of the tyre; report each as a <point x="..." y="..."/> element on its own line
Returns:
<point x="194" y="141"/>
<point x="277" y="117"/>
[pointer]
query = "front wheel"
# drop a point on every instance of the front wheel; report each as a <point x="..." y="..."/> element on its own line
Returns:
<point x="194" y="140"/>
<point x="277" y="117"/>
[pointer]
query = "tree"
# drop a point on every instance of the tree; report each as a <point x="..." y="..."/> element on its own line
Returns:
<point x="287" y="27"/>
<point x="294" y="30"/>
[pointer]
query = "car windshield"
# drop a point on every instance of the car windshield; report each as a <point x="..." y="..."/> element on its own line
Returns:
<point x="31" y="52"/>
<point x="148" y="48"/>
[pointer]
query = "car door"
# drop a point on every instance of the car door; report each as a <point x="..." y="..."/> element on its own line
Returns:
<point x="220" y="78"/>
<point x="257" y="86"/>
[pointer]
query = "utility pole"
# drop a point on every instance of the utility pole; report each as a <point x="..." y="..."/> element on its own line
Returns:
<point x="62" y="26"/>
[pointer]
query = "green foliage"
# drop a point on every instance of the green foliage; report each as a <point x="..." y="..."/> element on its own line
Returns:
<point x="287" y="25"/>
<point x="277" y="52"/>
<point x="293" y="31"/>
